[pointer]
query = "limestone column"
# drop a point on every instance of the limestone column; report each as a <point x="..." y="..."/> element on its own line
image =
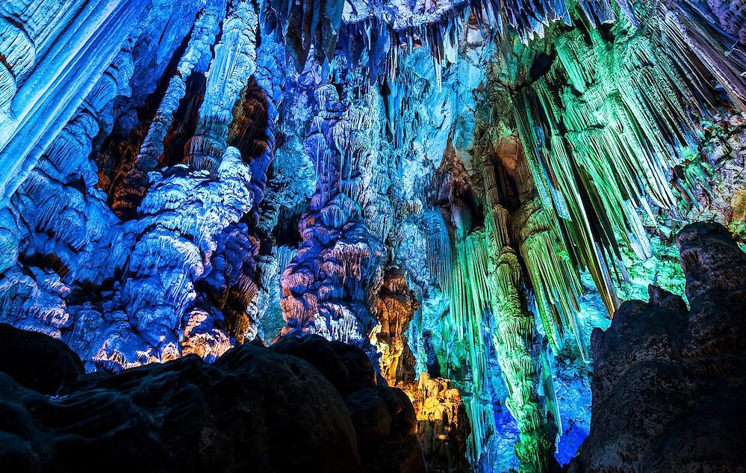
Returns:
<point x="233" y="64"/>
<point x="516" y="341"/>
<point x="58" y="83"/>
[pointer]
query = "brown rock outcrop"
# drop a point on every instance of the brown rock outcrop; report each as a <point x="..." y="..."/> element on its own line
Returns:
<point x="442" y="424"/>
<point x="394" y="308"/>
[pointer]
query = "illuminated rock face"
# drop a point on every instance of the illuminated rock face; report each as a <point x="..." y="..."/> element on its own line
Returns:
<point x="327" y="285"/>
<point x="395" y="307"/>
<point x="442" y="421"/>
<point x="463" y="190"/>
<point x="442" y="424"/>
<point x="141" y="275"/>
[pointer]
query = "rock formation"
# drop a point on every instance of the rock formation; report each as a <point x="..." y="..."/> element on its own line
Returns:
<point x="249" y="409"/>
<point x="395" y="307"/>
<point x="668" y="382"/>
<point x="442" y="422"/>
<point x="37" y="361"/>
<point x="462" y="189"/>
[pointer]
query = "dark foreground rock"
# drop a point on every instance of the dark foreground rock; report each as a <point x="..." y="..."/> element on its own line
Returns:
<point x="255" y="410"/>
<point x="669" y="384"/>
<point x="37" y="361"/>
<point x="384" y="418"/>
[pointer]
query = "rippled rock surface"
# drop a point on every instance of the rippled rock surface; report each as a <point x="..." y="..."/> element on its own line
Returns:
<point x="37" y="361"/>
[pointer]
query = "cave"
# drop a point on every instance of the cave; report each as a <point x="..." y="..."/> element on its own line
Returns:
<point x="347" y="236"/>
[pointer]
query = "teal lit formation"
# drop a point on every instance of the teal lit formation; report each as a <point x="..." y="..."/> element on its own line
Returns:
<point x="462" y="189"/>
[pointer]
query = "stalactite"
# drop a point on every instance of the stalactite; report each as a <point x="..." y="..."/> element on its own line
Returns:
<point x="202" y="37"/>
<point x="154" y="261"/>
<point x="128" y="195"/>
<point x="66" y="226"/>
<point x="26" y="31"/>
<point x="438" y="247"/>
<point x="554" y="280"/>
<point x="233" y="64"/>
<point x="53" y="90"/>
<point x="606" y="151"/>
<point x="268" y="78"/>
<point x="307" y="25"/>
<point x="484" y="282"/>
<point x="167" y="262"/>
<point x="715" y="37"/>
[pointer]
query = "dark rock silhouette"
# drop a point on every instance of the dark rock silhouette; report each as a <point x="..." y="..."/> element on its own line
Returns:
<point x="37" y="361"/>
<point x="668" y="383"/>
<point x="255" y="409"/>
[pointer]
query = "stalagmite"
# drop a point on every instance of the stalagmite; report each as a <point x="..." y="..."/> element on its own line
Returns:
<point x="326" y="286"/>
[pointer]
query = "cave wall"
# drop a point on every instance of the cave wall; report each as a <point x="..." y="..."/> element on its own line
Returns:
<point x="460" y="189"/>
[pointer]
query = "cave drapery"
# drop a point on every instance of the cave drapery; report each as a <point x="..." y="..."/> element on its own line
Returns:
<point x="463" y="189"/>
